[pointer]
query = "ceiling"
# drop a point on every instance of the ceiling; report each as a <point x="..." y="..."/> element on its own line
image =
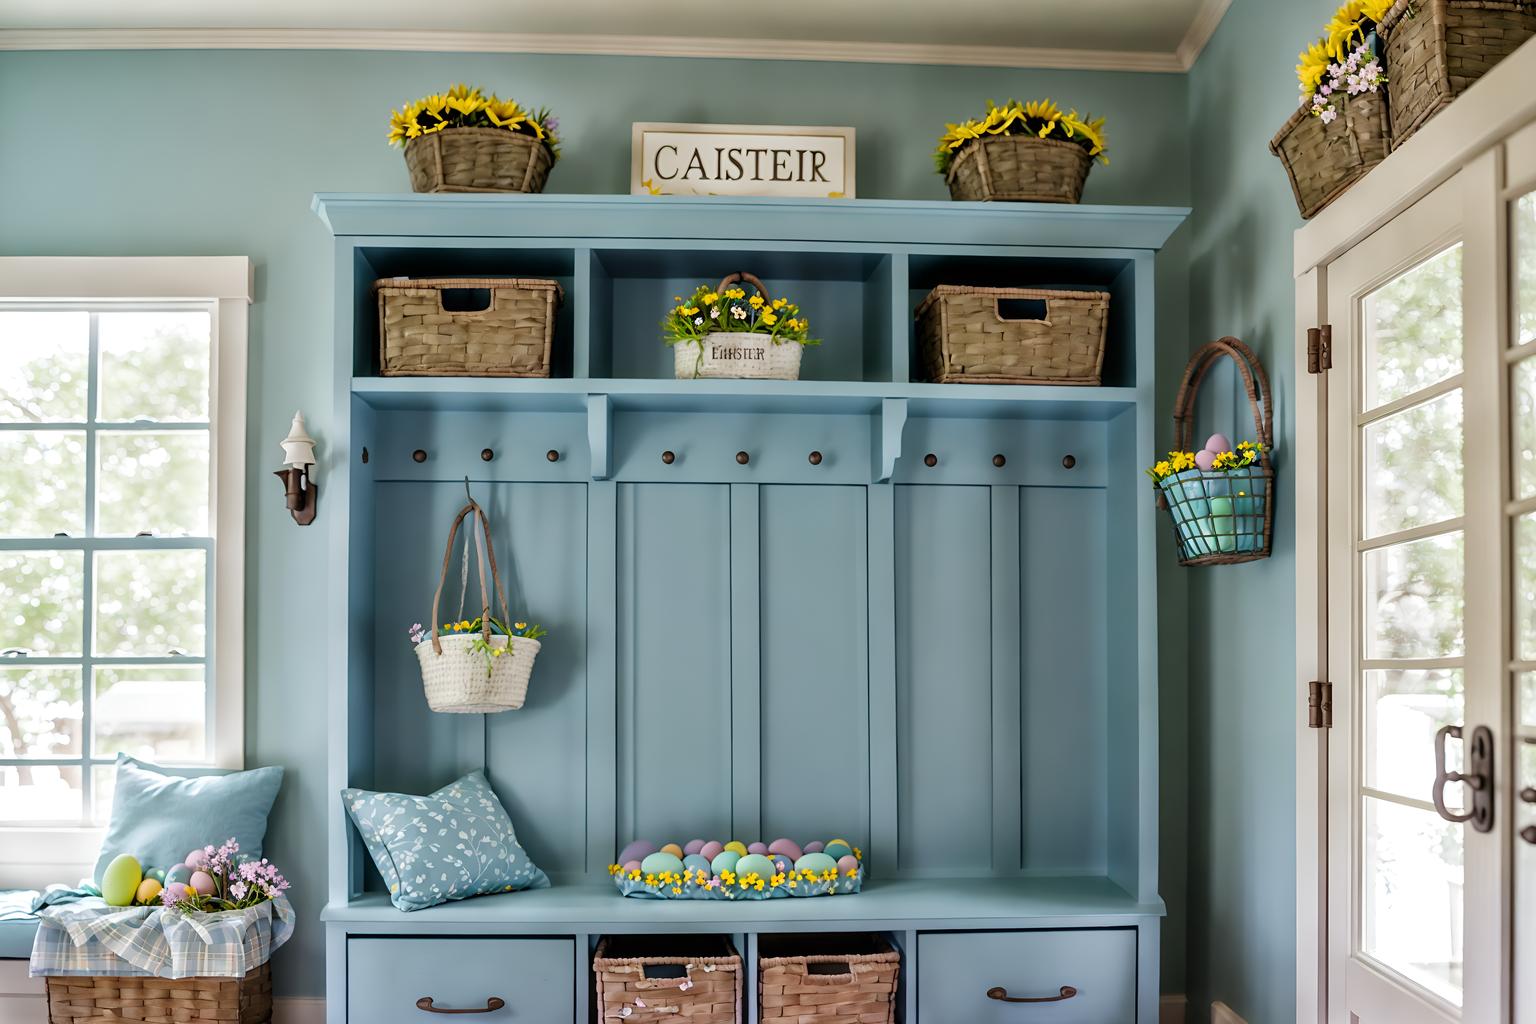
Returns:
<point x="1152" y="35"/>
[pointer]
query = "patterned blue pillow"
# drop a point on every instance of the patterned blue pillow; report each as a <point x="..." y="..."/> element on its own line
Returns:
<point x="453" y="844"/>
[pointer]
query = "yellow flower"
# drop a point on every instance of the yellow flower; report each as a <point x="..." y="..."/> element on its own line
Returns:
<point x="756" y="302"/>
<point x="769" y="318"/>
<point x="505" y="113"/>
<point x="736" y="293"/>
<point x="711" y="298"/>
<point x="677" y="891"/>
<point x="634" y="874"/>
<point x="1313" y="66"/>
<point x="780" y="303"/>
<point x="519" y="625"/>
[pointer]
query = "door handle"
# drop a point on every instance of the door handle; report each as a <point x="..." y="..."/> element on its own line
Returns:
<point x="1002" y="996"/>
<point x="491" y="1006"/>
<point x="1478" y="777"/>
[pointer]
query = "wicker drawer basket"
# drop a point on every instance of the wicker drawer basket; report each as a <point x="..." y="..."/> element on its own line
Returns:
<point x="506" y="330"/>
<point x="661" y="979"/>
<point x="826" y="979"/>
<point x="964" y="336"/>
<point x="98" y="999"/>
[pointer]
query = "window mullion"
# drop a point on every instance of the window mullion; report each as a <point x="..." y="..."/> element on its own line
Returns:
<point x="88" y="595"/>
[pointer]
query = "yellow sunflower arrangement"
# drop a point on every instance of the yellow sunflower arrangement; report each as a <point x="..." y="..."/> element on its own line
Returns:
<point x="1040" y="118"/>
<point x="466" y="107"/>
<point x="1346" y="33"/>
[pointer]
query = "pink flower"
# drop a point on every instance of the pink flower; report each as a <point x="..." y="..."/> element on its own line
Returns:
<point x="1329" y="115"/>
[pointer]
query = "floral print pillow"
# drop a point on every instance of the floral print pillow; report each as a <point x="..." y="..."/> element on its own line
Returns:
<point x="453" y="844"/>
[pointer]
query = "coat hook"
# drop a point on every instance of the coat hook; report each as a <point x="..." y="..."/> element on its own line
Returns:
<point x="486" y="455"/>
<point x="999" y="460"/>
<point x="1068" y="461"/>
<point x="743" y="458"/>
<point x="930" y="460"/>
<point x="552" y="455"/>
<point x="469" y="498"/>
<point x="815" y="458"/>
<point x="365" y="455"/>
<point x="667" y="457"/>
<point x="419" y="455"/>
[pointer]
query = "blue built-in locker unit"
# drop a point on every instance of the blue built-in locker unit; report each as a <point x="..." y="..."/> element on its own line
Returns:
<point x="952" y="665"/>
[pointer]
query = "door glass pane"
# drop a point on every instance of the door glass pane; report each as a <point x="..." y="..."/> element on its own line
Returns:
<point x="155" y="713"/>
<point x="1525" y="266"/>
<point x="39" y="794"/>
<point x="1524" y="421"/>
<point x="1413" y="598"/>
<point x="42" y="712"/>
<point x="1413" y="329"/>
<point x="1525" y="587"/>
<point x="1403" y="710"/>
<point x="154" y="366"/>
<point x="1527" y="696"/>
<point x="43" y="357"/>
<point x="1412" y="912"/>
<point x="42" y="602"/>
<point x="152" y="483"/>
<point x="150" y="603"/>
<point x="1413" y="465"/>
<point x="42" y="483"/>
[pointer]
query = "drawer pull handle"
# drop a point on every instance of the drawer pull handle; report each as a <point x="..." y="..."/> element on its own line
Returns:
<point x="1002" y="996"/>
<point x="491" y="1006"/>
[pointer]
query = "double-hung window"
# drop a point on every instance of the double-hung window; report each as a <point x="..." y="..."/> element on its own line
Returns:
<point x="121" y="450"/>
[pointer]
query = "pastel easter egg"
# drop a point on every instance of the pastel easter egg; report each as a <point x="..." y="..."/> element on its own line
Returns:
<point x="178" y="873"/>
<point x="1218" y="443"/>
<point x="693" y="846"/>
<point x="711" y="849"/>
<point x="814" y="846"/>
<point x="196" y="860"/>
<point x="631" y="865"/>
<point x="761" y="849"/>
<point x="847" y="863"/>
<point x="661" y="861"/>
<point x="674" y="850"/>
<point x="121" y="880"/>
<point x="738" y="846"/>
<point x="781" y="863"/>
<point x="816" y="863"/>
<point x="158" y="874"/>
<point x="1205" y="460"/>
<point x="637" y="850"/>
<point x="724" y="861"/>
<point x="837" y="849"/>
<point x="788" y="847"/>
<point x="202" y="881"/>
<point x="695" y="862"/>
<point x="148" y="892"/>
<point x="755" y="864"/>
<point x="175" y="892"/>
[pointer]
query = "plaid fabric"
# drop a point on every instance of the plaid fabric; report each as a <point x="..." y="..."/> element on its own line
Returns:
<point x="91" y="938"/>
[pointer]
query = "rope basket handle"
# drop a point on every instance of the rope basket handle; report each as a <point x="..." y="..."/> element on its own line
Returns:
<point x="751" y="279"/>
<point x="1255" y="383"/>
<point x="490" y="553"/>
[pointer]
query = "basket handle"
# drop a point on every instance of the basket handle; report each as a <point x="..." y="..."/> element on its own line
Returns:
<point x="472" y="508"/>
<point x="1255" y="383"/>
<point x="751" y="279"/>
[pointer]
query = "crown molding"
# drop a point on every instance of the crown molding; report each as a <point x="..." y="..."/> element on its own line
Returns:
<point x="1200" y="32"/>
<point x="616" y="45"/>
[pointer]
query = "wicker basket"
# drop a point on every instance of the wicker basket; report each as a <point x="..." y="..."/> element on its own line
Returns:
<point x="663" y="979"/>
<point x="101" y="999"/>
<point x="964" y="337"/>
<point x="826" y="979"/>
<point x="1222" y="517"/>
<point x="477" y="160"/>
<point x="1436" y="48"/>
<point x="1323" y="160"/>
<point x="507" y="332"/>
<point x="1019" y="168"/>
<point x="737" y="354"/>
<point x="458" y="680"/>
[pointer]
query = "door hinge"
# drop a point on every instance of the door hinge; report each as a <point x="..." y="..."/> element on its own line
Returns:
<point x="1319" y="705"/>
<point x="1319" y="348"/>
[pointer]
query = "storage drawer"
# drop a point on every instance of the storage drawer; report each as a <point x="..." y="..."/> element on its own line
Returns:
<point x="956" y="970"/>
<point x="534" y="978"/>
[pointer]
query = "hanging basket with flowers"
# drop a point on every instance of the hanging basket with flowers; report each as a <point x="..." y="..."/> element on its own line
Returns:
<point x="724" y="332"/>
<point x="1220" y="498"/>
<point x="466" y="141"/>
<point x="1021" y="152"/>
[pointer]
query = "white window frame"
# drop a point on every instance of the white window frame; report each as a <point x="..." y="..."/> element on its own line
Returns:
<point x="32" y="856"/>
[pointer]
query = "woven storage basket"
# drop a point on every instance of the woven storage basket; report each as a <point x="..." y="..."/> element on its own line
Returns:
<point x="693" y="979"/>
<point x="509" y="336"/>
<point x="1436" y="48"/>
<point x="477" y="160"/>
<point x="114" y="1000"/>
<point x="826" y="979"/>
<point x="1019" y="168"/>
<point x="1222" y="517"/>
<point x="1323" y="160"/>
<point x="737" y="354"/>
<point x="456" y="679"/>
<point x="963" y="337"/>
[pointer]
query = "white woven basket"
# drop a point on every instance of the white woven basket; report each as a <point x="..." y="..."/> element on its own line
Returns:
<point x="737" y="354"/>
<point x="459" y="681"/>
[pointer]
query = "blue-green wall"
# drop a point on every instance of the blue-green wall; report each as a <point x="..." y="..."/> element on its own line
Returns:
<point x="218" y="153"/>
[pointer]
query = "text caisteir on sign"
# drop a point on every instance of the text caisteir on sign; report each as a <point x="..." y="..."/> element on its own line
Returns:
<point x="742" y="160"/>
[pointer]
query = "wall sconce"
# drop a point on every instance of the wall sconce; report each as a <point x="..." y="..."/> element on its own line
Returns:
<point x="297" y="476"/>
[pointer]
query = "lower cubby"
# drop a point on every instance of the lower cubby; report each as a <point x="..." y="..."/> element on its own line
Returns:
<point x="658" y="979"/>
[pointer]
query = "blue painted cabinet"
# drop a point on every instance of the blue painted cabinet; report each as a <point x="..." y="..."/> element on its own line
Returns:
<point x="916" y="616"/>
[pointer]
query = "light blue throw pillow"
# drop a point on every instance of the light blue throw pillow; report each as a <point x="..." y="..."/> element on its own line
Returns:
<point x="453" y="844"/>
<point x="159" y="814"/>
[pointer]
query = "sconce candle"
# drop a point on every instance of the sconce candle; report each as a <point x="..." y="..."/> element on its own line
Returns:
<point x="298" y="474"/>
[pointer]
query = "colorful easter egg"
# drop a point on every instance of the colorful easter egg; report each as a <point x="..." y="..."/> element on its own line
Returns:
<point x="121" y="880"/>
<point x="203" y="883"/>
<point x="178" y="873"/>
<point x="673" y="849"/>
<point x="148" y="892"/>
<point x="1205" y="460"/>
<point x="711" y="849"/>
<point x="814" y="846"/>
<point x="1218" y="443"/>
<point x="631" y="865"/>
<point x="158" y="874"/>
<point x="175" y="892"/>
<point x="816" y="863"/>
<point x="197" y="860"/>
<point x="662" y="861"/>
<point x="738" y="846"/>
<point x="755" y="864"/>
<point x="725" y="860"/>
<point x="788" y="847"/>
<point x="847" y="864"/>
<point x="694" y="863"/>
<point x="761" y="849"/>
<point x="837" y="849"/>
<point x="693" y="846"/>
<point x="637" y="850"/>
<point x="781" y="863"/>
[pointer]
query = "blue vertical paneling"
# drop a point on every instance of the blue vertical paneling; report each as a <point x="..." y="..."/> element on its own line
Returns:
<point x="884" y="798"/>
<point x="1007" y="680"/>
<point x="814" y="707"/>
<point x="674" y="660"/>
<point x="602" y="695"/>
<point x="944" y="679"/>
<point x="746" y="601"/>
<point x="1063" y="709"/>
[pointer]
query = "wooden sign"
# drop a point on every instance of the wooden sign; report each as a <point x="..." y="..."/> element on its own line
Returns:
<point x="742" y="160"/>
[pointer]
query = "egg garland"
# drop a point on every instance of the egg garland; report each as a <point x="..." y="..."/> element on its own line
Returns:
<point x="711" y="869"/>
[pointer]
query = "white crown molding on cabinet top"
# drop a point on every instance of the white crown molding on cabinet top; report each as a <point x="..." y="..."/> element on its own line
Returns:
<point x="453" y="41"/>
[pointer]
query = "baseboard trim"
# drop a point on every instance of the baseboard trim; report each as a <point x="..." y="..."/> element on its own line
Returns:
<point x="298" y="1011"/>
<point x="1172" y="1009"/>
<point x="1221" y="1013"/>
